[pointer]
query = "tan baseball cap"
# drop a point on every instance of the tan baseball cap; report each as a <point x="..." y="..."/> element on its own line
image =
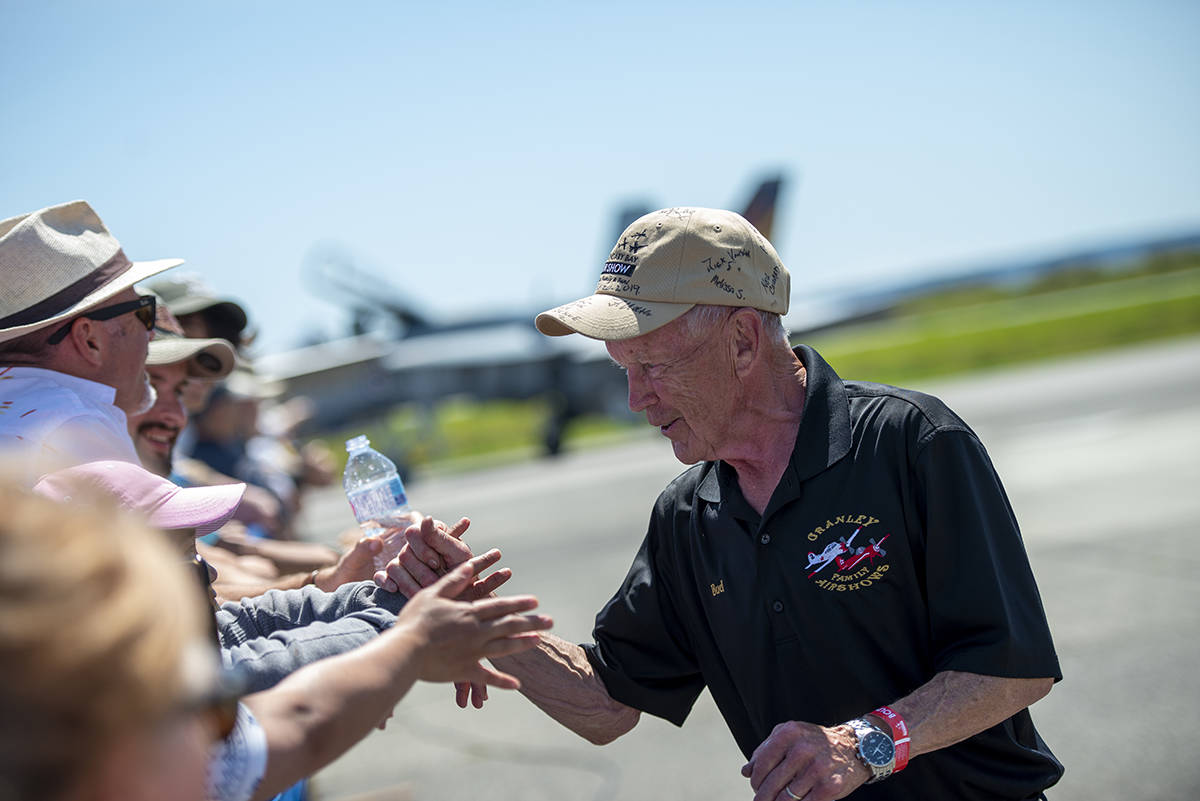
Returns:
<point x="208" y="359"/>
<point x="667" y="262"/>
<point x="188" y="293"/>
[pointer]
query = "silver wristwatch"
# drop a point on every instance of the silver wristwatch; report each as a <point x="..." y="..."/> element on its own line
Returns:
<point x="875" y="749"/>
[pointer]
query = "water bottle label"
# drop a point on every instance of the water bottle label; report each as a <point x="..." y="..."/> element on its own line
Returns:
<point x="379" y="501"/>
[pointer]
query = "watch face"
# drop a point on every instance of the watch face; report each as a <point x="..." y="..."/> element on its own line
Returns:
<point x="877" y="748"/>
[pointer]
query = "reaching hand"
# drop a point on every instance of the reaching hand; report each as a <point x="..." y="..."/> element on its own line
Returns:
<point x="453" y="636"/>
<point x="357" y="563"/>
<point x="429" y="548"/>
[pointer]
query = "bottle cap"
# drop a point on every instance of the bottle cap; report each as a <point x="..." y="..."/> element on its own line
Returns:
<point x="357" y="443"/>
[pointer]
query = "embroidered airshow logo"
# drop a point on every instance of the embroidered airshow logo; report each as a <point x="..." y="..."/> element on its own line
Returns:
<point x="851" y="559"/>
<point x="617" y="277"/>
<point x="617" y="268"/>
<point x="624" y="259"/>
<point x="718" y="588"/>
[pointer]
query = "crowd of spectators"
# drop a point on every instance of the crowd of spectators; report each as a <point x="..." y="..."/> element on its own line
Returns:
<point x="163" y="633"/>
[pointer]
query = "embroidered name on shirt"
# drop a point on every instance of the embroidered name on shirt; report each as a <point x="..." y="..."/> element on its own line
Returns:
<point x="718" y="588"/>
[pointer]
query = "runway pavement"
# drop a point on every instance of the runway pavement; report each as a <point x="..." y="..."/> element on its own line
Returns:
<point x="1101" y="459"/>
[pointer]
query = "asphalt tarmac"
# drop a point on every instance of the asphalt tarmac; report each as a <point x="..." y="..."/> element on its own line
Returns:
<point x="1101" y="459"/>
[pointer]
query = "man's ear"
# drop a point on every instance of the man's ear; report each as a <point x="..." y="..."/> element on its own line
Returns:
<point x="746" y="341"/>
<point x="87" y="338"/>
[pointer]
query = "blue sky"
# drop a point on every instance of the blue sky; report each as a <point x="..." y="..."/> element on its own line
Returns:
<point x="476" y="153"/>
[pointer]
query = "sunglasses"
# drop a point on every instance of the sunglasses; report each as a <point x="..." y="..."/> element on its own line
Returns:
<point x="144" y="307"/>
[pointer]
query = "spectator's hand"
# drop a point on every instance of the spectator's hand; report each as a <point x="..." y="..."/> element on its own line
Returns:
<point x="815" y="763"/>
<point x="453" y="636"/>
<point x="356" y="564"/>
<point x="394" y="534"/>
<point x="427" y="548"/>
<point x="427" y="551"/>
<point x="470" y="692"/>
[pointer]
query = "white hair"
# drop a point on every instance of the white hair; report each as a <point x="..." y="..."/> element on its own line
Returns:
<point x="703" y="317"/>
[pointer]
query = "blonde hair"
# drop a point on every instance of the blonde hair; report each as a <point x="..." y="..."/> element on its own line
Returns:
<point x="95" y="616"/>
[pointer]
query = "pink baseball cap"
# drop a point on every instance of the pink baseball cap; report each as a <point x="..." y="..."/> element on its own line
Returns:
<point x="164" y="504"/>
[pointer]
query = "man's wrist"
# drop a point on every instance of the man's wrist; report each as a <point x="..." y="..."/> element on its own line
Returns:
<point x="875" y="750"/>
<point x="898" y="727"/>
<point x="849" y="739"/>
<point x="314" y="578"/>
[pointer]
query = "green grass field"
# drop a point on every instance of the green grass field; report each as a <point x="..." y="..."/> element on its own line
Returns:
<point x="956" y="331"/>
<point x="967" y="332"/>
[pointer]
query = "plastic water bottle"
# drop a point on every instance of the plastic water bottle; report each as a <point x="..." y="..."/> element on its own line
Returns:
<point x="376" y="495"/>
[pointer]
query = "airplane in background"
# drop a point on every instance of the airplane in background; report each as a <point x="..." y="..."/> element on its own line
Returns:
<point x="396" y="354"/>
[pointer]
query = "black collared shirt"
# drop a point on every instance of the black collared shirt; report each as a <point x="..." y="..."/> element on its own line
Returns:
<point x="888" y="552"/>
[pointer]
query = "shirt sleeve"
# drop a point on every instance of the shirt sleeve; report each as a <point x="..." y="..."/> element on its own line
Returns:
<point x="268" y="637"/>
<point x="641" y="651"/>
<point x="986" y="614"/>
<point x="238" y="763"/>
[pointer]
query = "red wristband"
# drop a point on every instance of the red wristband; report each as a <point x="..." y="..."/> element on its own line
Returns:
<point x="899" y="735"/>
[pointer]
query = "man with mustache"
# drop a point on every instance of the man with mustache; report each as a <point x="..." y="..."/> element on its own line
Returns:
<point x="73" y="339"/>
<point x="280" y="622"/>
<point x="176" y="364"/>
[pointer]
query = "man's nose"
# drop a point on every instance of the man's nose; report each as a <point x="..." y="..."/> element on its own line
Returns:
<point x="170" y="409"/>
<point x="641" y="395"/>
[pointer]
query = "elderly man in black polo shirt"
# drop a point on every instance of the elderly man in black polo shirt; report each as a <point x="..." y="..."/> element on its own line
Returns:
<point x="841" y="568"/>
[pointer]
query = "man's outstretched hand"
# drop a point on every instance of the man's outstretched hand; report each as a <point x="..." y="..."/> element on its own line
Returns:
<point x="430" y="549"/>
<point x="453" y="635"/>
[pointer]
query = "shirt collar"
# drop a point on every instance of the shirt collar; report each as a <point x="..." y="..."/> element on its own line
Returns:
<point x="92" y="390"/>
<point x="821" y="441"/>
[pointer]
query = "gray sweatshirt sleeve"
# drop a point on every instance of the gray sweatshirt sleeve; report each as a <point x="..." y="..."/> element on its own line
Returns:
<point x="267" y="637"/>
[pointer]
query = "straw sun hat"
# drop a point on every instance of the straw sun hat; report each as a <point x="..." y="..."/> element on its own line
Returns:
<point x="58" y="262"/>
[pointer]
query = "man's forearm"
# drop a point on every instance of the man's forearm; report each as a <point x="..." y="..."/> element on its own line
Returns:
<point x="237" y="588"/>
<point x="317" y="713"/>
<point x="558" y="678"/>
<point x="288" y="556"/>
<point x="953" y="706"/>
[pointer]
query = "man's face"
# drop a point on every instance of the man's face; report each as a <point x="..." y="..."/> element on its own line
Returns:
<point x="681" y="383"/>
<point x="155" y="431"/>
<point x="125" y="362"/>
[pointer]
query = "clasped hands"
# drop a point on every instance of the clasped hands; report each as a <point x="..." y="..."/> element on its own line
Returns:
<point x="431" y="548"/>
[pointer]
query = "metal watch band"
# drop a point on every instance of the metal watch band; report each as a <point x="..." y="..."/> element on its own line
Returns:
<point x="861" y="729"/>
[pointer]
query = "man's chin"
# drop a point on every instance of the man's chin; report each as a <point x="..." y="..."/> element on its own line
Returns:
<point x="154" y="455"/>
<point x="149" y="398"/>
<point x="154" y="461"/>
<point x="684" y="454"/>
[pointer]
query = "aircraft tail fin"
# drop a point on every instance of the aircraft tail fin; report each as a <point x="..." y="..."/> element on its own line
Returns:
<point x="760" y="211"/>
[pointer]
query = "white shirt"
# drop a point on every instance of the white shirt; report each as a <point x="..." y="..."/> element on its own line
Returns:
<point x="50" y="420"/>
<point x="237" y="764"/>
